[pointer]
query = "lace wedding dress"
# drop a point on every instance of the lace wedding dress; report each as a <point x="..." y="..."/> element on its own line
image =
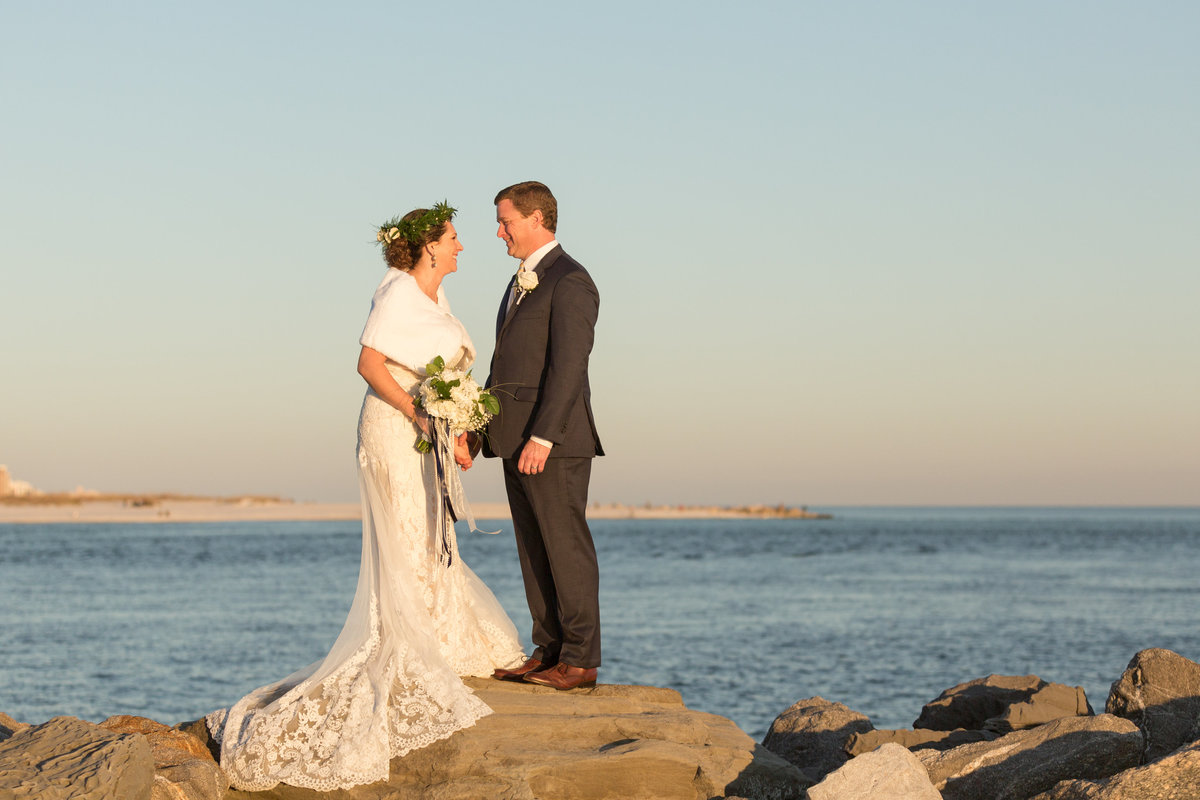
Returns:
<point x="391" y="683"/>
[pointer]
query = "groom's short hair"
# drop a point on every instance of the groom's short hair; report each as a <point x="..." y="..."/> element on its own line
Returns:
<point x="530" y="196"/>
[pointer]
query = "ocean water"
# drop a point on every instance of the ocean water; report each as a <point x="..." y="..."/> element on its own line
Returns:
<point x="878" y="608"/>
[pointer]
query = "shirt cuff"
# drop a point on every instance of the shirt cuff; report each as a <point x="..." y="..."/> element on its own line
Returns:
<point x="541" y="441"/>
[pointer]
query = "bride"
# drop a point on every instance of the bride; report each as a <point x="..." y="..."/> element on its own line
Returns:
<point x="419" y="619"/>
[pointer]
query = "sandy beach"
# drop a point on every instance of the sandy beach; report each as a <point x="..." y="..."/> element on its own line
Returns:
<point x="200" y="510"/>
<point x="177" y="511"/>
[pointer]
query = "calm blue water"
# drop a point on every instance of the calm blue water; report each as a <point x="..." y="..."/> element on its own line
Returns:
<point x="880" y="609"/>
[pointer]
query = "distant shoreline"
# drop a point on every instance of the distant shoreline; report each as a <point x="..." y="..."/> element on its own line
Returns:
<point x="249" y="509"/>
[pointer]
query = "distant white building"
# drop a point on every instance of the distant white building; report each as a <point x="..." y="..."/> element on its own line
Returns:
<point x="11" y="488"/>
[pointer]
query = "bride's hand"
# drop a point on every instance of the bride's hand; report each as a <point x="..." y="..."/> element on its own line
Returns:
<point x="462" y="452"/>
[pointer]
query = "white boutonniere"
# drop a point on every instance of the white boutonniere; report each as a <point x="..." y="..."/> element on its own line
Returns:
<point x="526" y="281"/>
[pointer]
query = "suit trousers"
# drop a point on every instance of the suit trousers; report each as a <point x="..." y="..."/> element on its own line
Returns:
<point x="558" y="559"/>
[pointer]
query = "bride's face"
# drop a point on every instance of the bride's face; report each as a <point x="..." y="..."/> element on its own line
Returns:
<point x="446" y="249"/>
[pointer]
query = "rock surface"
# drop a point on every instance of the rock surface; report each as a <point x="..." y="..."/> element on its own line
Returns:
<point x="1160" y="692"/>
<point x="915" y="740"/>
<point x="1050" y="702"/>
<point x="1025" y="763"/>
<point x="1173" y="777"/>
<point x="184" y="769"/>
<point x="889" y="773"/>
<point x="627" y="742"/>
<point x="813" y="735"/>
<point x="69" y="759"/>
<point x="1002" y="703"/>
<point x="9" y="726"/>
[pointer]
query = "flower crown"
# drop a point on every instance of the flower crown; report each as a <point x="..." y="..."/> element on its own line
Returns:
<point x="414" y="229"/>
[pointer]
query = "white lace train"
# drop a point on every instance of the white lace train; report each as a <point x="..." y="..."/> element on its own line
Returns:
<point x="390" y="684"/>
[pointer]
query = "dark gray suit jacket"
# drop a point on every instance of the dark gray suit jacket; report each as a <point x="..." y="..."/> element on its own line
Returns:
<point x="539" y="369"/>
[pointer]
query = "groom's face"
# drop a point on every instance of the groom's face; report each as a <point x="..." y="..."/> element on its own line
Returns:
<point x="518" y="232"/>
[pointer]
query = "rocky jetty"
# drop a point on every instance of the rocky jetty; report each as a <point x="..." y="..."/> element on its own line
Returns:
<point x="626" y="742"/>
<point x="1002" y="704"/>
<point x="1000" y="737"/>
<point x="69" y="758"/>
<point x="812" y="735"/>
<point x="1030" y="761"/>
<point x="184" y="768"/>
<point x="890" y="772"/>
<point x="1160" y="691"/>
<point x="1006" y="737"/>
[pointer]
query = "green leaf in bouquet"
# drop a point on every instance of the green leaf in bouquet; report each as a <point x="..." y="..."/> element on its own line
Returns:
<point x="489" y="402"/>
<point x="435" y="366"/>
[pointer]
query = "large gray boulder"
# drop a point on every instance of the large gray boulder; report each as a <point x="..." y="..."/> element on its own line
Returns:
<point x="604" y="743"/>
<point x="968" y="705"/>
<point x="889" y="773"/>
<point x="1002" y="703"/>
<point x="184" y="769"/>
<point x="915" y="740"/>
<point x="69" y="759"/>
<point x="1160" y="691"/>
<point x="813" y="734"/>
<point x="1024" y="763"/>
<point x="1173" y="777"/>
<point x="1048" y="703"/>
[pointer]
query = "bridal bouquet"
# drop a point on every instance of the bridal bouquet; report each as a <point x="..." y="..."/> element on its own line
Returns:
<point x="454" y="398"/>
<point x="456" y="404"/>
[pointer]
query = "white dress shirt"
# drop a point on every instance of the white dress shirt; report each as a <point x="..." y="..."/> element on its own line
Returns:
<point x="531" y="261"/>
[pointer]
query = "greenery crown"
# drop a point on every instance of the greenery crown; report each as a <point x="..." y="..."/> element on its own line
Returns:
<point x="414" y="230"/>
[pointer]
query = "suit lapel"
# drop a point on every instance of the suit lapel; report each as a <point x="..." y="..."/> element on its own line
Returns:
<point x="502" y="312"/>
<point x="507" y="313"/>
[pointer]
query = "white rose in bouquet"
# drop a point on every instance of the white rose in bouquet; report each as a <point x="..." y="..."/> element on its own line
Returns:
<point x="454" y="396"/>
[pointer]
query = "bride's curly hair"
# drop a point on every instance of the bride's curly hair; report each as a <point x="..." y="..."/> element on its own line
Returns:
<point x="402" y="253"/>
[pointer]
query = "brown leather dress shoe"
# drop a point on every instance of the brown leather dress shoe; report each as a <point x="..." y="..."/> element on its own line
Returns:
<point x="517" y="673"/>
<point x="564" y="676"/>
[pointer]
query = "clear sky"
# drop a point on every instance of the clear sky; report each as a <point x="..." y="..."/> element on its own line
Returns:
<point x="848" y="253"/>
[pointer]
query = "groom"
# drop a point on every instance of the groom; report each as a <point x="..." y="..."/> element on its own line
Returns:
<point x="547" y="438"/>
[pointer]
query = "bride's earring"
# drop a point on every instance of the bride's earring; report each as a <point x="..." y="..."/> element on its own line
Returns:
<point x="433" y="258"/>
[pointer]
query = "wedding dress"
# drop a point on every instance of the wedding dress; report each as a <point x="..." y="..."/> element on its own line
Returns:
<point x="391" y="683"/>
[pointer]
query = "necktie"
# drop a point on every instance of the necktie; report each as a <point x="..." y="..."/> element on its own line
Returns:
<point x="516" y="288"/>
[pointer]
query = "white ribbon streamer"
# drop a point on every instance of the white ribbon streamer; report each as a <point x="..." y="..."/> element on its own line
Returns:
<point x="451" y="501"/>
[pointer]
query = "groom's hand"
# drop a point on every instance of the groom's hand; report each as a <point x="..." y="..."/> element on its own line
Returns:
<point x="462" y="452"/>
<point x="533" y="458"/>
